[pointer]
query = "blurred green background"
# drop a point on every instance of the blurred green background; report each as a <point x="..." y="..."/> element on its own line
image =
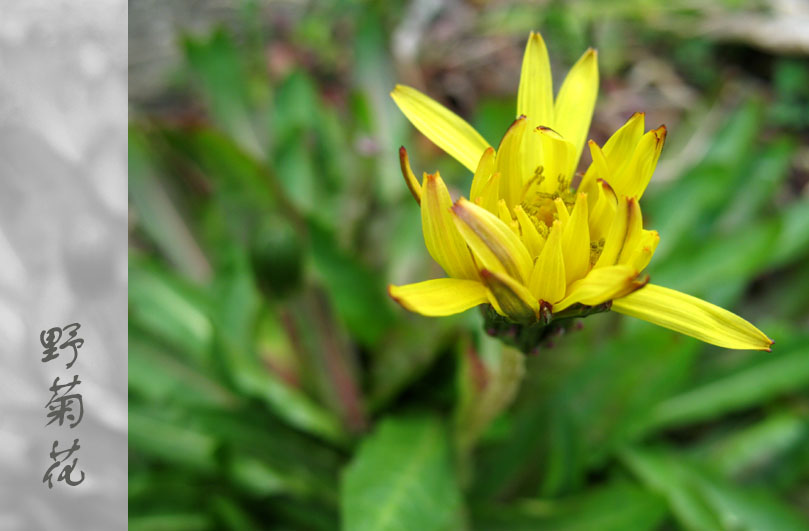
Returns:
<point x="274" y="385"/>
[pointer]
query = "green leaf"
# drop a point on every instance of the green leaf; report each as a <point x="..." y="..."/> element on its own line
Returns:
<point x="593" y="509"/>
<point x="773" y="376"/>
<point x="298" y="176"/>
<point x="402" y="479"/>
<point x="737" y="136"/>
<point x="172" y="521"/>
<point x="291" y="404"/>
<point x="160" y="435"/>
<point x="759" y="185"/>
<point x="488" y="380"/>
<point x="264" y="456"/>
<point x="357" y="293"/>
<point x="704" y="501"/>
<point x="724" y="257"/>
<point x="705" y="187"/>
<point x="235" y="312"/>
<point x="666" y="477"/>
<point x="374" y="76"/>
<point x="793" y="238"/>
<point x="157" y="214"/>
<point x="159" y="377"/>
<point x="239" y="178"/>
<point x="231" y="514"/>
<point x="172" y="310"/>
<point x="218" y="67"/>
<point x="404" y="355"/>
<point x="712" y="265"/>
<point x="569" y="417"/>
<point x="310" y="148"/>
<point x="758" y="446"/>
<point x="296" y="105"/>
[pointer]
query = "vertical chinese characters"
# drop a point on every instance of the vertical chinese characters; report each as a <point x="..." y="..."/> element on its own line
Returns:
<point x="67" y="469"/>
<point x="65" y="404"/>
<point x="68" y="405"/>
<point x="51" y="337"/>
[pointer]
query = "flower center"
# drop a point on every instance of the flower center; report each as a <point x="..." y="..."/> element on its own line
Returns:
<point x="539" y="199"/>
<point x="543" y="207"/>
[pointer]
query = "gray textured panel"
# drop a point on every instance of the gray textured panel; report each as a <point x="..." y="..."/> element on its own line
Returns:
<point x="63" y="230"/>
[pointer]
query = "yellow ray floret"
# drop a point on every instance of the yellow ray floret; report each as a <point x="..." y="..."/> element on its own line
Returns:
<point x="440" y="297"/>
<point x="548" y="281"/>
<point x="535" y="94"/>
<point x="526" y="242"/>
<point x="492" y="242"/>
<point x="513" y="299"/>
<point x="573" y="109"/>
<point x="446" y="129"/>
<point x="692" y="316"/>
<point x="441" y="237"/>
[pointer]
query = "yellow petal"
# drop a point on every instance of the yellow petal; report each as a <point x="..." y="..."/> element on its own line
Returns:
<point x="446" y="129"/>
<point x="622" y="143"/>
<point x="532" y="173"/>
<point x="492" y="241"/>
<point x="483" y="173"/>
<point x="602" y="213"/>
<point x="634" y="231"/>
<point x="596" y="170"/>
<point x="490" y="193"/>
<point x="576" y="100"/>
<point x="514" y="300"/>
<point x="561" y="210"/>
<point x="494" y="303"/>
<point x="693" y="317"/>
<point x="510" y="163"/>
<point x="439" y="297"/>
<point x="640" y="256"/>
<point x="535" y="95"/>
<point x="576" y="241"/>
<point x="600" y="286"/>
<point x="616" y="153"/>
<point x="558" y="159"/>
<point x="505" y="216"/>
<point x="530" y="235"/>
<point x="547" y="282"/>
<point x="632" y="179"/>
<point x="599" y="168"/>
<point x="441" y="236"/>
<point x="616" y="236"/>
<point x="409" y="177"/>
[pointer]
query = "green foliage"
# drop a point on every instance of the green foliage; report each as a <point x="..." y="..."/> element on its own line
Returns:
<point x="700" y="500"/>
<point x="757" y="383"/>
<point x="359" y="295"/>
<point x="401" y="478"/>
<point x="614" y="507"/>
<point x="274" y="385"/>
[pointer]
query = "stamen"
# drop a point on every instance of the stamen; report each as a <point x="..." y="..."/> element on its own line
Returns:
<point x="595" y="250"/>
<point x="535" y="180"/>
<point x="540" y="205"/>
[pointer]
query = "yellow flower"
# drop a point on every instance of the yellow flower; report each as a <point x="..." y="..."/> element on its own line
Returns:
<point x="525" y="242"/>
